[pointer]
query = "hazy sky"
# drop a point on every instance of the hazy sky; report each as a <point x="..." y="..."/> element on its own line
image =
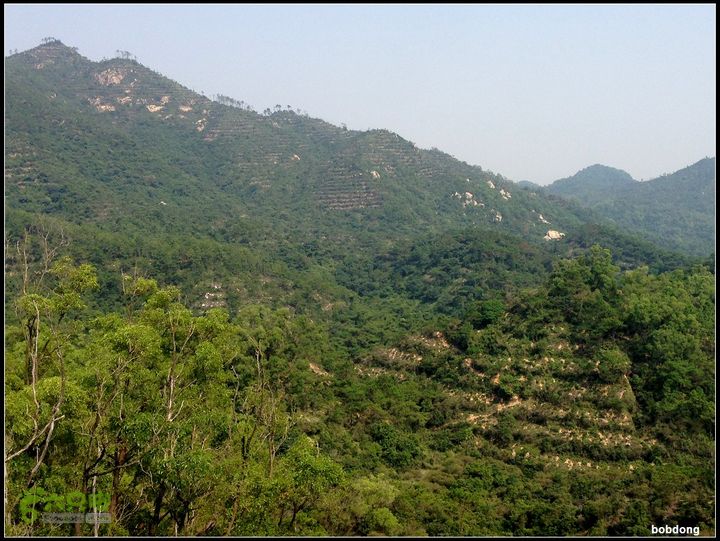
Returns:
<point x="531" y="92"/>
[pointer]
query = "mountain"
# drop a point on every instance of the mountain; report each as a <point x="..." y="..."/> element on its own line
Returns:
<point x="227" y="160"/>
<point x="116" y="147"/>
<point x="122" y="145"/>
<point x="592" y="183"/>
<point x="528" y="184"/>
<point x="220" y="322"/>
<point x="676" y="210"/>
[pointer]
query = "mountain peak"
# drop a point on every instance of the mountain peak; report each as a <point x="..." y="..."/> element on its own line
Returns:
<point x="52" y="46"/>
<point x="50" y="51"/>
<point x="602" y="173"/>
<point x="592" y="179"/>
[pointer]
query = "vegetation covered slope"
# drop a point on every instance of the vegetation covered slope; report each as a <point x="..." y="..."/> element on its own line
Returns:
<point x="676" y="211"/>
<point x="200" y="192"/>
<point x="114" y="144"/>
<point x="583" y="406"/>
<point x="226" y="323"/>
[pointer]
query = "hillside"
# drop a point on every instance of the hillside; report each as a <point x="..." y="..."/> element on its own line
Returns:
<point x="582" y="407"/>
<point x="139" y="150"/>
<point x="676" y="210"/>
<point x="116" y="147"/>
<point x="226" y="323"/>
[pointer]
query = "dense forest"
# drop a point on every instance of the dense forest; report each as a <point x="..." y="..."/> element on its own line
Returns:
<point x="219" y="322"/>
<point x="582" y="405"/>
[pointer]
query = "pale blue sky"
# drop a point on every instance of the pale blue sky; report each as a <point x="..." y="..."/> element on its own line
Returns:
<point x="531" y="92"/>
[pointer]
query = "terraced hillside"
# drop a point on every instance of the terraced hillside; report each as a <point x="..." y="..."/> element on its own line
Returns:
<point x="226" y="323"/>
<point x="555" y="401"/>
<point x="180" y="150"/>
<point x="112" y="150"/>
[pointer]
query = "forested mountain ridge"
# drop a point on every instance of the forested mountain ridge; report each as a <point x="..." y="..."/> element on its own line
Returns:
<point x="239" y="166"/>
<point x="220" y="322"/>
<point x="675" y="210"/>
<point x="131" y="156"/>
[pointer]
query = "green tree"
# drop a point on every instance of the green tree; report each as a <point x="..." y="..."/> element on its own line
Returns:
<point x="585" y="292"/>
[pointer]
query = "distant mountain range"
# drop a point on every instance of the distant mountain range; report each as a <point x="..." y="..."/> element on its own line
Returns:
<point x="676" y="211"/>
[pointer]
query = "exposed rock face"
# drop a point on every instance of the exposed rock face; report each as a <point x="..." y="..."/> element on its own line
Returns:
<point x="317" y="370"/>
<point x="111" y="76"/>
<point x="154" y="108"/>
<point x="554" y="235"/>
<point x="214" y="298"/>
<point x="100" y="106"/>
<point x="468" y="199"/>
